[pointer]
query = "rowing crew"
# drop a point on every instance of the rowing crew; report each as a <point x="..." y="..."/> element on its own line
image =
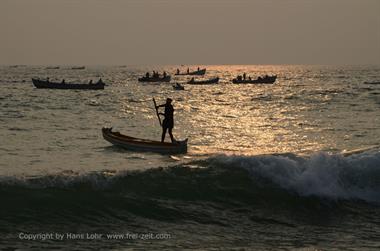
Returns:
<point x="100" y="81"/>
<point x="187" y="71"/>
<point x="156" y="74"/>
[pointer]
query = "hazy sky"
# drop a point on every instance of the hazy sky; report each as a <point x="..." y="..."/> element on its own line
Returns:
<point x="114" y="32"/>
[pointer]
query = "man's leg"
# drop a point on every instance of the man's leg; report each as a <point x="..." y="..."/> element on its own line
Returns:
<point x="163" y="134"/>
<point x="171" y="135"/>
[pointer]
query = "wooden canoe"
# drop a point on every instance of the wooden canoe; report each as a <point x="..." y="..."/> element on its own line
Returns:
<point x="143" y="145"/>
<point x="259" y="80"/>
<point x="152" y="79"/>
<point x="203" y="82"/>
<point x="38" y="83"/>
<point x="200" y="72"/>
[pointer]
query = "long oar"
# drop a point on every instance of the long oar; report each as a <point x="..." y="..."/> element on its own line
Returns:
<point x="158" y="115"/>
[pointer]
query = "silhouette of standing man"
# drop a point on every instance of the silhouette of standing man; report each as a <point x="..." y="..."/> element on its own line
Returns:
<point x="168" y="122"/>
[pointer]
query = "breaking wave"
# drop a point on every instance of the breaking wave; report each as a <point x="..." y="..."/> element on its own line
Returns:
<point x="192" y="191"/>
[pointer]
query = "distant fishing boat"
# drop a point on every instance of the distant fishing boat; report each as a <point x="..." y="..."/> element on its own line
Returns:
<point x="197" y="72"/>
<point x="78" y="68"/>
<point x="372" y="83"/>
<point x="52" y="67"/>
<point x="259" y="80"/>
<point x="46" y="84"/>
<point x="203" y="82"/>
<point x="143" y="145"/>
<point x="155" y="79"/>
<point x="178" y="87"/>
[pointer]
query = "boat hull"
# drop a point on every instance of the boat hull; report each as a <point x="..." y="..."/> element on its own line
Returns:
<point x="150" y="80"/>
<point x="200" y="72"/>
<point x="143" y="145"/>
<point x="53" y="85"/>
<point x="178" y="88"/>
<point x="268" y="80"/>
<point x="204" y="82"/>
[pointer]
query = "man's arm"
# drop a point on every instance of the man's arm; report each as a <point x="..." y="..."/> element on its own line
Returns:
<point x="160" y="106"/>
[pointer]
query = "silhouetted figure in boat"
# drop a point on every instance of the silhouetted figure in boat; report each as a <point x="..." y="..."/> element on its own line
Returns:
<point x="164" y="74"/>
<point x="47" y="80"/>
<point x="198" y="68"/>
<point x="244" y="75"/>
<point x="100" y="81"/>
<point x="147" y="75"/>
<point x="63" y="81"/>
<point x="168" y="122"/>
<point x="90" y="83"/>
<point x="188" y="70"/>
<point x="177" y="71"/>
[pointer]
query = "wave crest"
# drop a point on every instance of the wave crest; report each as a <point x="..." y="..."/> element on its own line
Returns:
<point x="322" y="174"/>
<point x="225" y="177"/>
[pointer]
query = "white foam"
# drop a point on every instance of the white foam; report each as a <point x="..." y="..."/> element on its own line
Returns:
<point x="322" y="174"/>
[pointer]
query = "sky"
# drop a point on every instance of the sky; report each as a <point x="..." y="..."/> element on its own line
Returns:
<point x="147" y="32"/>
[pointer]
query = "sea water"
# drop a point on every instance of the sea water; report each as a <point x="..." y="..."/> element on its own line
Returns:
<point x="293" y="165"/>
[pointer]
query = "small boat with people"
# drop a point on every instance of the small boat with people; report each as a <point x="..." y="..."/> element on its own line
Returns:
<point x="178" y="87"/>
<point x="372" y="83"/>
<point x="260" y="80"/>
<point x="156" y="77"/>
<point x="47" y="84"/>
<point x="192" y="81"/>
<point x="188" y="72"/>
<point x="143" y="145"/>
<point x="78" y="67"/>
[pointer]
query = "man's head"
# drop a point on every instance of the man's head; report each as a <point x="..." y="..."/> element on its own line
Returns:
<point x="169" y="100"/>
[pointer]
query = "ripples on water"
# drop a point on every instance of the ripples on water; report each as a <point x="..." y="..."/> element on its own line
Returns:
<point x="309" y="109"/>
<point x="275" y="191"/>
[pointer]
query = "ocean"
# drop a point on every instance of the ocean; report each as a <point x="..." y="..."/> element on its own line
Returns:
<point x="289" y="166"/>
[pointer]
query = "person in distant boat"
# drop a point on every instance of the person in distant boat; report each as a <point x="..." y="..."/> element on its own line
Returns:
<point x="147" y="75"/>
<point x="168" y="123"/>
<point x="63" y="81"/>
<point x="100" y="81"/>
<point x="47" y="80"/>
<point x="244" y="75"/>
<point x="177" y="71"/>
<point x="250" y="78"/>
<point x="198" y="68"/>
<point x="90" y="82"/>
<point x="164" y="74"/>
<point x="188" y="70"/>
